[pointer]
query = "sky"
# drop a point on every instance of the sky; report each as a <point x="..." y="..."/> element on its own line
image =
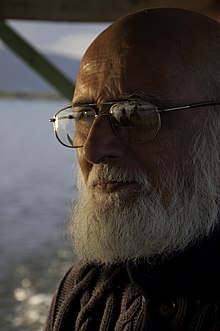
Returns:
<point x="68" y="39"/>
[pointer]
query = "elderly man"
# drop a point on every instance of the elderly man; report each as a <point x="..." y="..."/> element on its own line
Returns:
<point x="145" y="122"/>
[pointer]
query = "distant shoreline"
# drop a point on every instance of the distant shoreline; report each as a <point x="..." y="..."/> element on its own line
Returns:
<point x="30" y="95"/>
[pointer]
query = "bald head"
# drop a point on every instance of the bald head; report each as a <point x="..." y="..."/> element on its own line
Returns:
<point x="164" y="25"/>
<point x="153" y="45"/>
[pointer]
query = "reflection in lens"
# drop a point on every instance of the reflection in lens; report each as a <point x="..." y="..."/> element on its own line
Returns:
<point x="141" y="121"/>
<point x="145" y="126"/>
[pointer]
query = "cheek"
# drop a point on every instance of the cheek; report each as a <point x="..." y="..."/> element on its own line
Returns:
<point x="85" y="166"/>
<point x="161" y="157"/>
<point x="175" y="142"/>
<point x="147" y="158"/>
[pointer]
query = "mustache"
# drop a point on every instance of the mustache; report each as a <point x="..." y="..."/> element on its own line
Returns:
<point x="106" y="173"/>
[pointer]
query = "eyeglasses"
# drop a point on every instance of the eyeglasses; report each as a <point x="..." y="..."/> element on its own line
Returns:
<point x="134" y="121"/>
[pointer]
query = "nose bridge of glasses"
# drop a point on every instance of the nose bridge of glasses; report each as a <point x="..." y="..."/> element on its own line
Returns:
<point x="93" y="121"/>
<point x="98" y="123"/>
<point x="103" y="112"/>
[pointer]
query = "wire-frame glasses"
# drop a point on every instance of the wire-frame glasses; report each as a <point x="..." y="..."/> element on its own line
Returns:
<point x="134" y="121"/>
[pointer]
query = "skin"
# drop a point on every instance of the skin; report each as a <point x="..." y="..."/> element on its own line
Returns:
<point x="158" y="54"/>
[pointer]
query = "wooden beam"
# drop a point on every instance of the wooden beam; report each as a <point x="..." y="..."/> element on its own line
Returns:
<point x="36" y="60"/>
<point x="94" y="10"/>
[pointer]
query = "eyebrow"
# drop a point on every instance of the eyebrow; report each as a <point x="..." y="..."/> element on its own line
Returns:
<point x="96" y="104"/>
<point x="156" y="99"/>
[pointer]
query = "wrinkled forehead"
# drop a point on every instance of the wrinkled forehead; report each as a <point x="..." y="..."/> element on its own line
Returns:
<point x="98" y="77"/>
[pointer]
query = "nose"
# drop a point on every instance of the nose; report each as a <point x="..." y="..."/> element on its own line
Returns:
<point x="102" y="145"/>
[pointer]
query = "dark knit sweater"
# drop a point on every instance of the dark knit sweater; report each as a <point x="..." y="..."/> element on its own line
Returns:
<point x="181" y="294"/>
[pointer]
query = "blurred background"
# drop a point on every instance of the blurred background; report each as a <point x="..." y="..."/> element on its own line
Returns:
<point x="37" y="182"/>
<point x="41" y="44"/>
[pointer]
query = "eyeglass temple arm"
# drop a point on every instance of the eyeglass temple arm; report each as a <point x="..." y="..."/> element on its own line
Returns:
<point x="61" y="118"/>
<point x="192" y="105"/>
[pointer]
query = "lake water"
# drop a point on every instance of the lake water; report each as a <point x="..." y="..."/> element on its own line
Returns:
<point x="36" y="188"/>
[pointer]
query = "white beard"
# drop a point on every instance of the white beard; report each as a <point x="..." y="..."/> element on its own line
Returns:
<point x="114" y="227"/>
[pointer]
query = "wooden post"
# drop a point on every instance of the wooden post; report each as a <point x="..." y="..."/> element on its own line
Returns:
<point x="36" y="60"/>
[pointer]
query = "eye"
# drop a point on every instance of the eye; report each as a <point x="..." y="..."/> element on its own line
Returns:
<point x="84" y="117"/>
<point x="122" y="112"/>
<point x="84" y="113"/>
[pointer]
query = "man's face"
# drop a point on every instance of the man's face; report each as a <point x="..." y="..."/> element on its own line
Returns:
<point x="110" y="74"/>
<point x="132" y="193"/>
